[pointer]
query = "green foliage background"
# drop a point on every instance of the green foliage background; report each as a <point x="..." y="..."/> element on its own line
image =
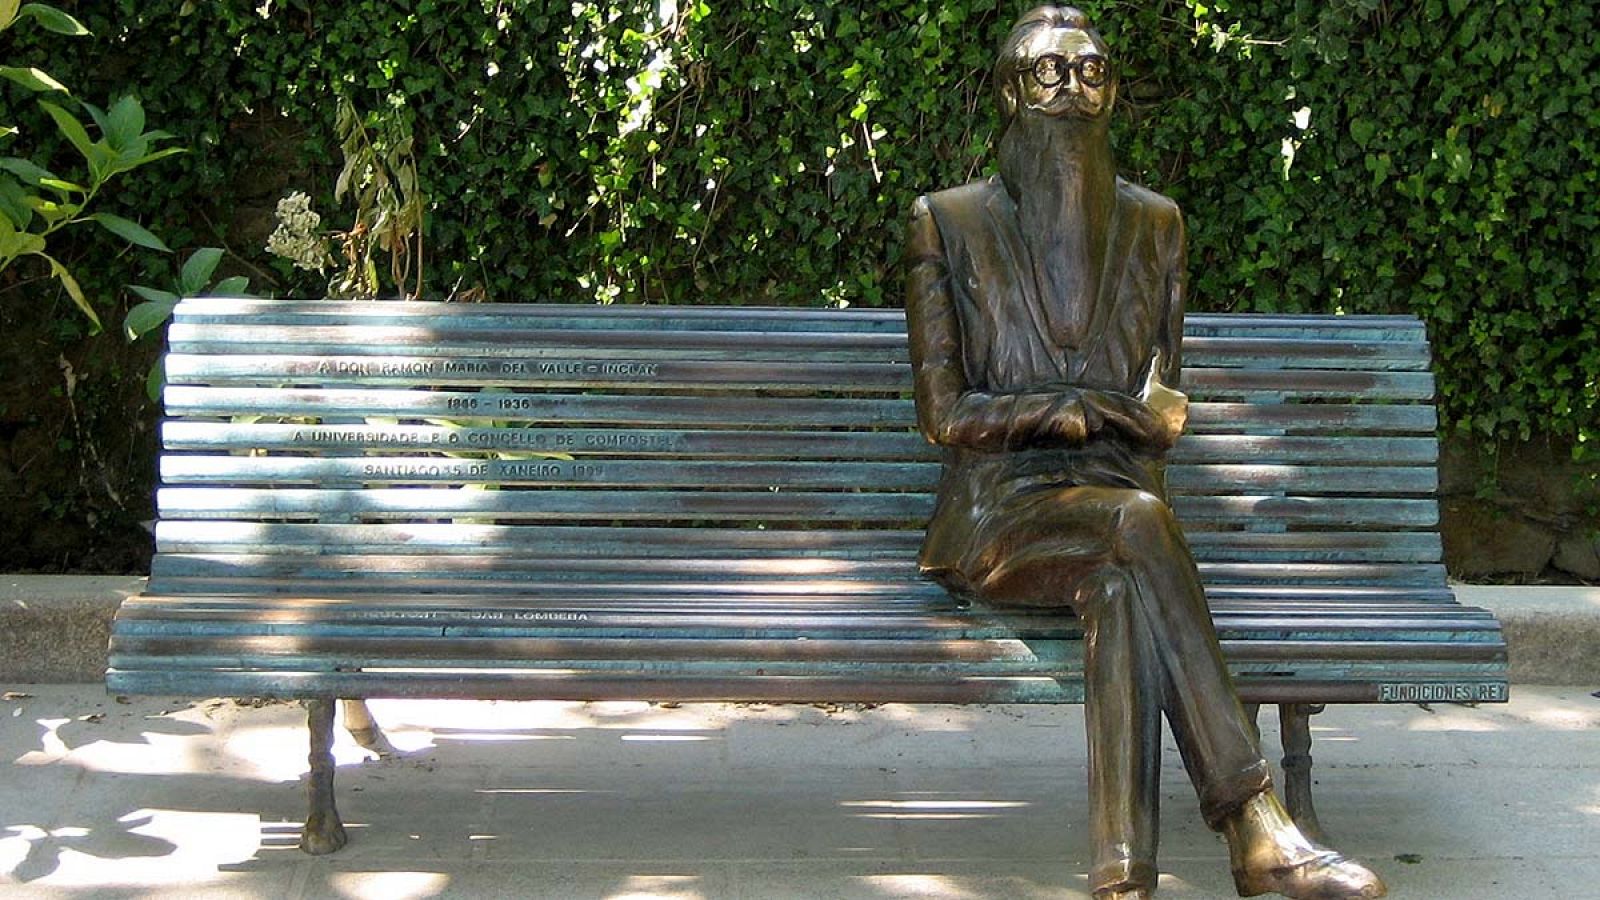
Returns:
<point x="1444" y="155"/>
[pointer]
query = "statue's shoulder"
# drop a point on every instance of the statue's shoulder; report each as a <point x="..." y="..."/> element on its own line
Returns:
<point x="1160" y="207"/>
<point x="959" y="203"/>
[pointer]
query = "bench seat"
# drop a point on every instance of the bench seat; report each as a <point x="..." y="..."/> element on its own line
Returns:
<point x="724" y="503"/>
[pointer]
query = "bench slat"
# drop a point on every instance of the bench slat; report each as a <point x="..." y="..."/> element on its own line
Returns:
<point x="919" y="476"/>
<point x="667" y="505"/>
<point x="221" y="310"/>
<point x="401" y="503"/>
<point x="583" y="372"/>
<point x="190" y="651"/>
<point x="651" y="570"/>
<point x="446" y="341"/>
<point x="656" y="569"/>
<point x="1339" y="685"/>
<point x="1212" y="479"/>
<point x="790" y="412"/>
<point x="579" y="542"/>
<point x="670" y="442"/>
<point x="691" y="596"/>
<point x="476" y="618"/>
<point x="1046" y="661"/>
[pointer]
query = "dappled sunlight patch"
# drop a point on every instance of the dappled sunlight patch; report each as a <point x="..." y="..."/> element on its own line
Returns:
<point x="1592" y="808"/>
<point x="501" y="737"/>
<point x="934" y="809"/>
<point x="51" y="747"/>
<point x="920" y="886"/>
<point x="657" y="887"/>
<point x="1557" y="716"/>
<point x="272" y="752"/>
<point x="158" y="754"/>
<point x="64" y="738"/>
<point x="15" y="843"/>
<point x="387" y="885"/>
<point x="398" y="716"/>
<point x="155" y="847"/>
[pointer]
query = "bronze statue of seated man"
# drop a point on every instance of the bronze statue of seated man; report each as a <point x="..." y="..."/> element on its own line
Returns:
<point x="1045" y="308"/>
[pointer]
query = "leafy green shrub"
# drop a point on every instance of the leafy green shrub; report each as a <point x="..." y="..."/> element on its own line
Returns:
<point x="36" y="203"/>
<point x="1437" y="157"/>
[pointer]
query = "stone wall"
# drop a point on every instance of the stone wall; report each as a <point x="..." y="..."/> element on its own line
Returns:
<point x="1519" y="512"/>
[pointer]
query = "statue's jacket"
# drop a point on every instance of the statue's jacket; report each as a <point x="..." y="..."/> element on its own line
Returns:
<point x="999" y="368"/>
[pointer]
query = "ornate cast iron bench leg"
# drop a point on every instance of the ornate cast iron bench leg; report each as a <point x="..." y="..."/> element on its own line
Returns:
<point x="1294" y="722"/>
<point x="324" y="832"/>
<point x="359" y="722"/>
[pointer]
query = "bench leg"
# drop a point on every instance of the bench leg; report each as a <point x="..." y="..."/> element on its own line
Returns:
<point x="1294" y="721"/>
<point x="359" y="722"/>
<point x="324" y="833"/>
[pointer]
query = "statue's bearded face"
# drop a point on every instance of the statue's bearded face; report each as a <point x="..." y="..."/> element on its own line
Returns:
<point x="1064" y="72"/>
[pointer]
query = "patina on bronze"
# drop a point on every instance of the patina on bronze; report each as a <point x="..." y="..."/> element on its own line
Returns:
<point x="1045" y="308"/>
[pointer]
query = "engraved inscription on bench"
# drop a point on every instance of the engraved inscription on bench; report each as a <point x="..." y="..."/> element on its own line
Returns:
<point x="1443" y="692"/>
<point x="340" y="435"/>
<point x="617" y="368"/>
<point x="516" y="615"/>
<point x="550" y="368"/>
<point x="378" y="367"/>
<point x="494" y="470"/>
<point x="558" y="440"/>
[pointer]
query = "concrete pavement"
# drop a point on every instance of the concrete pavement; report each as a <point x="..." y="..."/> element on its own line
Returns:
<point x="152" y="798"/>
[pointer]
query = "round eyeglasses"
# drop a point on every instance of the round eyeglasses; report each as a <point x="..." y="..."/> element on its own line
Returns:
<point x="1050" y="69"/>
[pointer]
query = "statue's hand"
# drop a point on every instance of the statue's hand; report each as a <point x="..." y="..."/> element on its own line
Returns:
<point x="1130" y="416"/>
<point x="1064" y="422"/>
<point x="1169" y="405"/>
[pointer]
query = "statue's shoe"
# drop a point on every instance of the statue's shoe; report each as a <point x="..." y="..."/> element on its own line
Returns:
<point x="1327" y="876"/>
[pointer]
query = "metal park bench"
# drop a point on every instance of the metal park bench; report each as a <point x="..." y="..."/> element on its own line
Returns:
<point x="593" y="503"/>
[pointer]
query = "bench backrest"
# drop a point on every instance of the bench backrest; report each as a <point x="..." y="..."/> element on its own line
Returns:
<point x="420" y="446"/>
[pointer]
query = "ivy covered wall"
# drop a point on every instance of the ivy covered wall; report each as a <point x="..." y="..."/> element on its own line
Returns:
<point x="1433" y="156"/>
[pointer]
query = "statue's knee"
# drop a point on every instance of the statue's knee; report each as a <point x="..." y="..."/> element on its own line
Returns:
<point x="1144" y="524"/>
<point x="1105" y="589"/>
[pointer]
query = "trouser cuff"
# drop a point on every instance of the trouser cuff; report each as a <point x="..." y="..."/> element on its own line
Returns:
<point x="1123" y="874"/>
<point x="1222" y="797"/>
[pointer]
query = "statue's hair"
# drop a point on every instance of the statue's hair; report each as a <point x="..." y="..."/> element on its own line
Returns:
<point x="1006" y="78"/>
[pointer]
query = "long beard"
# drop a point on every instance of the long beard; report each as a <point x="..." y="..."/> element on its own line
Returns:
<point x="1060" y="174"/>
